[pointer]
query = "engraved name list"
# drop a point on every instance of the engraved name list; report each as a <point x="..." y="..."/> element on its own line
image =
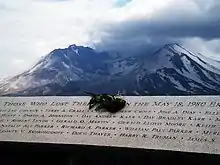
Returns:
<point x="190" y="124"/>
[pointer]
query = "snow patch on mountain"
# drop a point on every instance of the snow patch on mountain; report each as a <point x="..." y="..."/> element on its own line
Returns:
<point x="190" y="71"/>
<point x="65" y="65"/>
<point x="205" y="62"/>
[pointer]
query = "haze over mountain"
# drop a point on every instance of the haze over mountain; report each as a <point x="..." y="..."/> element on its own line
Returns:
<point x="170" y="70"/>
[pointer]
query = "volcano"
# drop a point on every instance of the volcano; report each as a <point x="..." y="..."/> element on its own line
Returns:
<point x="171" y="70"/>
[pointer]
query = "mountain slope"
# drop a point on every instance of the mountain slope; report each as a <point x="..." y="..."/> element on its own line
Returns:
<point x="60" y="66"/>
<point x="171" y="70"/>
<point x="174" y="70"/>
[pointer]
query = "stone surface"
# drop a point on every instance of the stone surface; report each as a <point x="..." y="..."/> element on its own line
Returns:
<point x="186" y="123"/>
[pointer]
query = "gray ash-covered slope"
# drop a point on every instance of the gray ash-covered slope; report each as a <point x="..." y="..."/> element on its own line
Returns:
<point x="172" y="70"/>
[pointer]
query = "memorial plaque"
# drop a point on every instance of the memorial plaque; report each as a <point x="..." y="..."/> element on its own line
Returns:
<point x="183" y="123"/>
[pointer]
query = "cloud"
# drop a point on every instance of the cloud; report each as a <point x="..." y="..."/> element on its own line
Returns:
<point x="2" y="7"/>
<point x="33" y="28"/>
<point x="208" y="48"/>
<point x="176" y="22"/>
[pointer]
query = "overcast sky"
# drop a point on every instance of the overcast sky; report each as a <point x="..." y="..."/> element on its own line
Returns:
<point x="30" y="29"/>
